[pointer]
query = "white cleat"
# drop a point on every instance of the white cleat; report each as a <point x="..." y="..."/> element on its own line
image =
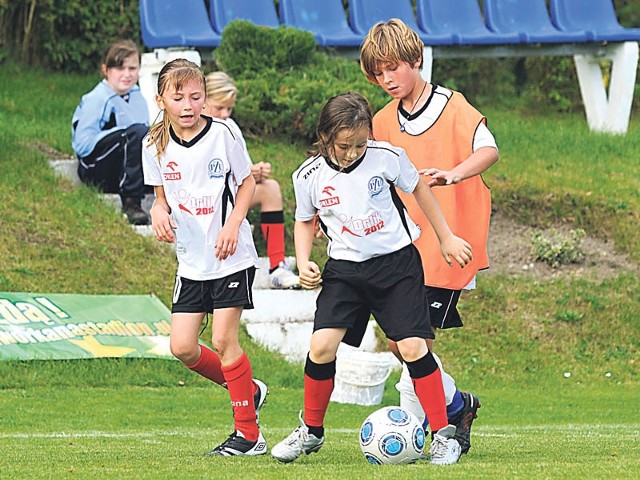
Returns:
<point x="445" y="450"/>
<point x="299" y="442"/>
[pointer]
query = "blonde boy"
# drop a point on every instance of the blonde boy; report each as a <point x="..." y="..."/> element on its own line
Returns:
<point x="447" y="140"/>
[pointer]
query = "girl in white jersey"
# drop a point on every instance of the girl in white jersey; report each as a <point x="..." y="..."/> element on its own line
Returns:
<point x="373" y="267"/>
<point x="203" y="186"/>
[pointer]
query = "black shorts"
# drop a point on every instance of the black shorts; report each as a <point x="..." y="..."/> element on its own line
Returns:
<point x="205" y="296"/>
<point x="389" y="287"/>
<point x="442" y="307"/>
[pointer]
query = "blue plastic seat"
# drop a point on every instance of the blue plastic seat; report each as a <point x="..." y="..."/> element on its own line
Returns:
<point x="176" y="23"/>
<point x="324" y="18"/>
<point x="596" y="17"/>
<point x="364" y="14"/>
<point x="461" y="18"/>
<point x="258" y="12"/>
<point x="529" y="19"/>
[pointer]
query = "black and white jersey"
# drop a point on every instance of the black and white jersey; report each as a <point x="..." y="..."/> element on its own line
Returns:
<point x="200" y="179"/>
<point x="359" y="209"/>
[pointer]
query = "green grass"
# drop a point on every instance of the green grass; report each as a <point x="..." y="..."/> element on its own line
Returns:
<point x="130" y="419"/>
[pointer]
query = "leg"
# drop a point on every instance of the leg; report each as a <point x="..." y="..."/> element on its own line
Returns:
<point x="427" y="382"/>
<point x="236" y="369"/>
<point x="319" y="373"/>
<point x="131" y="183"/>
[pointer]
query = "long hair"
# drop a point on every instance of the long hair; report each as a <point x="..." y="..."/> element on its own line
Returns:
<point x="173" y="75"/>
<point x="346" y="111"/>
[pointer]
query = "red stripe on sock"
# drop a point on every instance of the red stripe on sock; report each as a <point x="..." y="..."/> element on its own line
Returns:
<point x="240" y="385"/>
<point x="430" y="392"/>
<point x="317" y="394"/>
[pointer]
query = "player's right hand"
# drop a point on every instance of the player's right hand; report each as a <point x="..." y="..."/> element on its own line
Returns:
<point x="162" y="225"/>
<point x="309" y="275"/>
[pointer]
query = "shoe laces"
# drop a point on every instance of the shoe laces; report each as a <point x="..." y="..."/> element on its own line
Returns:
<point x="439" y="446"/>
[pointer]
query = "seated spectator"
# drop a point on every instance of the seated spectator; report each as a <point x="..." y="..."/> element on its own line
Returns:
<point x="221" y="98"/>
<point x="107" y="131"/>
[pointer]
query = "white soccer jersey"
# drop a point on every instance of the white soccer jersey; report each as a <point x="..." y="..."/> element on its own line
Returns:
<point x="200" y="180"/>
<point x="359" y="209"/>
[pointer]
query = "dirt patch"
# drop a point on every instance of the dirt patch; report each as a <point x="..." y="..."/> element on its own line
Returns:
<point x="49" y="152"/>
<point x="510" y="253"/>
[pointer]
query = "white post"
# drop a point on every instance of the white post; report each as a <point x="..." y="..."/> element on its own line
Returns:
<point x="427" y="63"/>
<point x="610" y="114"/>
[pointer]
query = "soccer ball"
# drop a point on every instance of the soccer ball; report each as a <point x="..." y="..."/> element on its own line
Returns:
<point x="391" y="436"/>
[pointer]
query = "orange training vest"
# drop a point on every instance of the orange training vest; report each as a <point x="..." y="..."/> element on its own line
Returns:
<point x="466" y="205"/>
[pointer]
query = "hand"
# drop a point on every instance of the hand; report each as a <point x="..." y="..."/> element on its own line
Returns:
<point x="309" y="275"/>
<point x="441" y="177"/>
<point x="261" y="171"/>
<point x="162" y="224"/>
<point x="456" y="249"/>
<point x="226" y="242"/>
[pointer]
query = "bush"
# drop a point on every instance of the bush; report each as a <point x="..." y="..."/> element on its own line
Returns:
<point x="284" y="81"/>
<point x="558" y="249"/>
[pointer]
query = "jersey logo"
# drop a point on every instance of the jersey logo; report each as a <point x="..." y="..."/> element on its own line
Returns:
<point x="328" y="202"/>
<point x="215" y="168"/>
<point x="169" y="176"/>
<point x="360" y="227"/>
<point x="172" y="166"/>
<point x="376" y="185"/>
<point x="345" y="229"/>
<point x="184" y="209"/>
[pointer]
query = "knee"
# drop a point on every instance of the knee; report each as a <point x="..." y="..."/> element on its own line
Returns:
<point x="412" y="349"/>
<point x="186" y="352"/>
<point x="272" y="187"/>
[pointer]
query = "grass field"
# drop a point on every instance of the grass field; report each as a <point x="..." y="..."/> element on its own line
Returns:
<point x="129" y="419"/>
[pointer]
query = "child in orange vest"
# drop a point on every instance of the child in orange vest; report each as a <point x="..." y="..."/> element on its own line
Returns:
<point x="448" y="141"/>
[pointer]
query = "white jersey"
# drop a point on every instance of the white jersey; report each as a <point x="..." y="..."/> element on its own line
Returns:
<point x="200" y="180"/>
<point x="359" y="209"/>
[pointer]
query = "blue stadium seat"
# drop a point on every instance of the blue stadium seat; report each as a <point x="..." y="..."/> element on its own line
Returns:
<point x="596" y="17"/>
<point x="463" y="19"/>
<point x="176" y="23"/>
<point x="364" y="14"/>
<point x="324" y="18"/>
<point x="258" y="12"/>
<point x="529" y="19"/>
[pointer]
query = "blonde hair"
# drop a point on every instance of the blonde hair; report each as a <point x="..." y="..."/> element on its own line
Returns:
<point x="220" y="87"/>
<point x="174" y="74"/>
<point x="348" y="111"/>
<point x="389" y="43"/>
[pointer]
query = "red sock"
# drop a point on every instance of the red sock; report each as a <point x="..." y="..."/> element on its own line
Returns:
<point x="430" y="392"/>
<point x="317" y="394"/>
<point x="273" y="232"/>
<point x="208" y="365"/>
<point x="241" y="387"/>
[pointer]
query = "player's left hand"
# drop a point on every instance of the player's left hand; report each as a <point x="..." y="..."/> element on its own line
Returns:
<point x="441" y="177"/>
<point x="456" y="249"/>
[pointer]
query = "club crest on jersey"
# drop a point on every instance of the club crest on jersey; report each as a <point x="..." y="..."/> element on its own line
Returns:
<point x="331" y="200"/>
<point x="215" y="168"/>
<point x="376" y="185"/>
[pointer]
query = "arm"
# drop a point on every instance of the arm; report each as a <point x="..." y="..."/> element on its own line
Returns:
<point x="309" y="271"/>
<point x="450" y="245"/>
<point x="475" y="164"/>
<point x="227" y="240"/>
<point x="161" y="222"/>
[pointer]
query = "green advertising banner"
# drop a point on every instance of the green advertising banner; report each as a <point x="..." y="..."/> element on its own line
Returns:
<point x="36" y="326"/>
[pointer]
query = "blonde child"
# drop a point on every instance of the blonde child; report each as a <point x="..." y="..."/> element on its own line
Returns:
<point x="203" y="187"/>
<point x="350" y="181"/>
<point x="221" y="98"/>
<point x="448" y="141"/>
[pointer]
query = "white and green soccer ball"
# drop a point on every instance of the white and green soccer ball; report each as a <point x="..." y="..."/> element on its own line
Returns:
<point x="392" y="436"/>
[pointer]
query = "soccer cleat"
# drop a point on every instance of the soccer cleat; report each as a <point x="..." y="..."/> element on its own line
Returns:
<point x="236" y="444"/>
<point x="132" y="209"/>
<point x="260" y="397"/>
<point x="299" y="442"/>
<point x="464" y="419"/>
<point x="283" y="278"/>
<point x="445" y="449"/>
